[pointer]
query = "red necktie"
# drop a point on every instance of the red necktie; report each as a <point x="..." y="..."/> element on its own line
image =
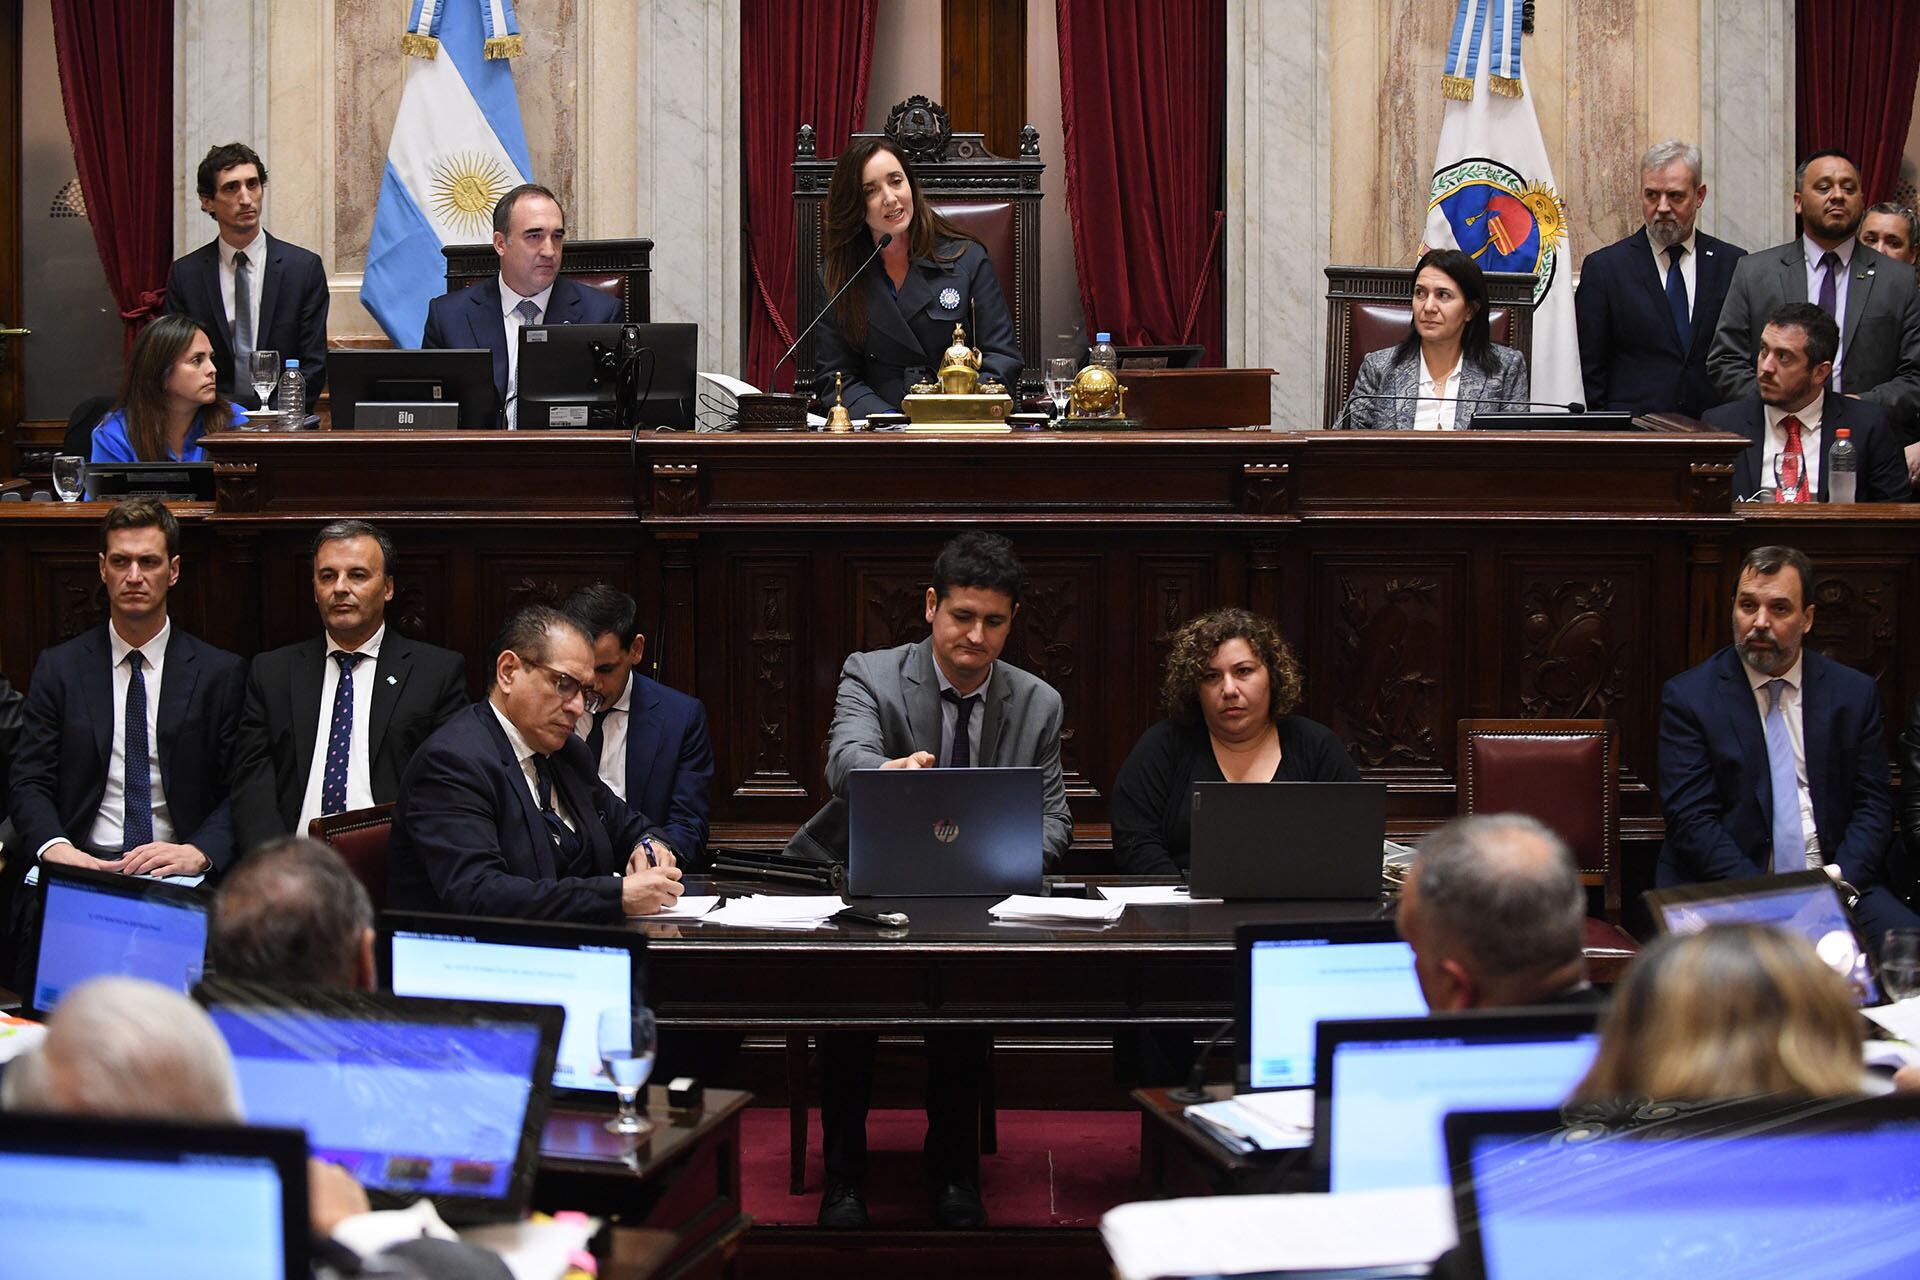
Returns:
<point x="1793" y="464"/>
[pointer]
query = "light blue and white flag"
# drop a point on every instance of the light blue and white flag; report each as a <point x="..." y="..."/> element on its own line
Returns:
<point x="457" y="147"/>
<point x="1493" y="195"/>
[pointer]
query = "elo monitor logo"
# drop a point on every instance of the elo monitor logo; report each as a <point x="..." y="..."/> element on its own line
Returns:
<point x="944" y="831"/>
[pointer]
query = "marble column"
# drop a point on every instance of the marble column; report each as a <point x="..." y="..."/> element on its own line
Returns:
<point x="219" y="95"/>
<point x="1279" y="214"/>
<point x="1747" y="120"/>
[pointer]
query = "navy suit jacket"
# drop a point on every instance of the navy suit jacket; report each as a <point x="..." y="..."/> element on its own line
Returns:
<point x="472" y="318"/>
<point x="1717" y="791"/>
<point x="417" y="687"/>
<point x="1882" y="466"/>
<point x="670" y="765"/>
<point x="1630" y="353"/>
<point x="469" y="839"/>
<point x="66" y="742"/>
<point x="293" y="312"/>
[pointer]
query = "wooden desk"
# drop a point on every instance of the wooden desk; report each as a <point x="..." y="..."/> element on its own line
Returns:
<point x="1177" y="1159"/>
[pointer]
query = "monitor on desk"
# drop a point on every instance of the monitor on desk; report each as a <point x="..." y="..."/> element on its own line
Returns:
<point x="1806" y="903"/>
<point x="399" y="390"/>
<point x="96" y="924"/>
<point x="570" y="375"/>
<point x="1293" y="976"/>
<point x="1553" y="420"/>
<point x="168" y="481"/>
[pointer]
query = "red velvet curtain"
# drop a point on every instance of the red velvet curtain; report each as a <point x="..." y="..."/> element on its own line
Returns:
<point x="1143" y="93"/>
<point x="804" y="62"/>
<point x="1856" y="62"/>
<point x="116" y="77"/>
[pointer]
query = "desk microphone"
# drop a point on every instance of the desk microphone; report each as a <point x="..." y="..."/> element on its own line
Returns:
<point x="1195" y="1090"/>
<point x="1570" y="406"/>
<point x="885" y="240"/>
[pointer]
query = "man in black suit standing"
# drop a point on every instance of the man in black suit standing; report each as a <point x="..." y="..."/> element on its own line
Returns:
<point x="501" y="812"/>
<point x="1793" y="420"/>
<point x="330" y="722"/>
<point x="1647" y="305"/>
<point x="122" y="761"/>
<point x="249" y="291"/>
<point x="529" y="233"/>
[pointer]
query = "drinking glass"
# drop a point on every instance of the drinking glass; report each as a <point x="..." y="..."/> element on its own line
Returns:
<point x="1786" y="476"/>
<point x="627" y="1040"/>
<point x="69" y="477"/>
<point x="1900" y="963"/>
<point x="1060" y="374"/>
<point x="263" y="369"/>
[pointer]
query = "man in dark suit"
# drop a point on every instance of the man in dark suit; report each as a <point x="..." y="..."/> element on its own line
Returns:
<point x="529" y="232"/>
<point x="913" y="707"/>
<point x="1872" y="297"/>
<point x="650" y="742"/>
<point x="249" y="291"/>
<point x="500" y="811"/>
<point x="324" y="729"/>
<point x="122" y="761"/>
<point x="1793" y="420"/>
<point x="1647" y="305"/>
<point x="1773" y="758"/>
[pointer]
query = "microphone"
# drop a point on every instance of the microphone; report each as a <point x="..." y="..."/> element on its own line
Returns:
<point x="1569" y="406"/>
<point x="885" y="240"/>
<point x="1195" y="1090"/>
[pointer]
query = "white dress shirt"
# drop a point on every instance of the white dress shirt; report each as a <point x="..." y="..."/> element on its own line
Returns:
<point x="359" y="763"/>
<point x="1790" y="707"/>
<point x="525" y="754"/>
<point x="1841" y="276"/>
<point x="109" y="832"/>
<point x="950" y="716"/>
<point x="1661" y="262"/>
<point x="1775" y="443"/>
<point x="256" y="255"/>
<point x="613" y="739"/>
<point x="514" y="322"/>
<point x="1435" y="412"/>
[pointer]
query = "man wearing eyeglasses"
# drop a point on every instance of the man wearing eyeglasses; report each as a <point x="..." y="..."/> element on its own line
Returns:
<point x="501" y="811"/>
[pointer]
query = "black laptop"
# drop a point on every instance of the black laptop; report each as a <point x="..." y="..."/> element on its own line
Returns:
<point x="944" y="833"/>
<point x="1807" y="903"/>
<point x="97" y="924"/>
<point x="1287" y="841"/>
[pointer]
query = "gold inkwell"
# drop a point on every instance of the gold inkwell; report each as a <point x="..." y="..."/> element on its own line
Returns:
<point x="959" y="401"/>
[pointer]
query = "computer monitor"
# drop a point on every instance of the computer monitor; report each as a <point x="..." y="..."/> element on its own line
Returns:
<point x="1292" y="976"/>
<point x="1552" y="420"/>
<point x="111" y="1196"/>
<point x="437" y="1098"/>
<point x="1713" y="1192"/>
<point x="569" y="375"/>
<point x="94" y="924"/>
<point x="1804" y="902"/>
<point x="583" y="969"/>
<point x="1382" y="1086"/>
<point x="168" y="481"/>
<point x="452" y="387"/>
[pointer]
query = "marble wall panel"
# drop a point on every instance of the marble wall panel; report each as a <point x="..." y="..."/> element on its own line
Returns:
<point x="220" y="51"/>
<point x="1747" y="119"/>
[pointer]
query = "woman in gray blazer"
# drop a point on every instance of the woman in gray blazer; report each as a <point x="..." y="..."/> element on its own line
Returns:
<point x="1447" y="368"/>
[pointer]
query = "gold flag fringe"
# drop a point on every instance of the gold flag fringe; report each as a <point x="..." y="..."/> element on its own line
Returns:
<point x="1505" y="86"/>
<point x="499" y="47"/>
<point x="415" y="45"/>
<point x="1459" y="88"/>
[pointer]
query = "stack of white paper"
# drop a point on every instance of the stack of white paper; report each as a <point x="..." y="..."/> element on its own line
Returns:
<point x="772" y="911"/>
<point x="1280" y="1120"/>
<point x="1025" y="908"/>
<point x="1154" y="895"/>
<point x="686" y="907"/>
<point x="1237" y="1235"/>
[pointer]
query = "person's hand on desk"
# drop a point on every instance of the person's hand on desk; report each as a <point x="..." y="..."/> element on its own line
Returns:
<point x="1913" y="464"/>
<point x="649" y="889"/>
<point x="1907" y="1080"/>
<point x="67" y="856"/>
<point x="918" y="760"/>
<point x="332" y="1196"/>
<point x="158" y="858"/>
<point x="652" y="851"/>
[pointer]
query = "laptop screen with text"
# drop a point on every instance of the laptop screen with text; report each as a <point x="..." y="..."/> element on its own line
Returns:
<point x="96" y="925"/>
<point x="1293" y="983"/>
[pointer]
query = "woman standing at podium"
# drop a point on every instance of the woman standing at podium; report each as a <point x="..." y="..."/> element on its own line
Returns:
<point x="895" y="318"/>
<point x="168" y="399"/>
<point x="1231" y="687"/>
<point x="1448" y="367"/>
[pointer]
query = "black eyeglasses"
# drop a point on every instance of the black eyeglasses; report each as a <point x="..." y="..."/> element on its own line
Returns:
<point x="565" y="685"/>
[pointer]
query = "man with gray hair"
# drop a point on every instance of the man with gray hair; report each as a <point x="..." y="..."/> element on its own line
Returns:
<point x="1893" y="229"/>
<point x="293" y="913"/>
<point x="1494" y="912"/>
<point x="330" y="722"/>
<point x="1648" y="305"/>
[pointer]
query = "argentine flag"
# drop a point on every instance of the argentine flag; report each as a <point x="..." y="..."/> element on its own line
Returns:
<point x="457" y="147"/>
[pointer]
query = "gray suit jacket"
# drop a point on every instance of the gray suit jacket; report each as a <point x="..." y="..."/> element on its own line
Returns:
<point x="1383" y="377"/>
<point x="1879" y="341"/>
<point x="888" y="706"/>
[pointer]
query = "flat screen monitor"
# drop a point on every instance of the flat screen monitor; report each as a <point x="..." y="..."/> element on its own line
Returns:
<point x="460" y="376"/>
<point x="569" y="375"/>
<point x="1804" y="902"/>
<point x="1383" y="1086"/>
<point x="87" y="1196"/>
<point x="94" y="924"/>
<point x="583" y="970"/>
<point x="437" y="1098"/>
<point x="1550" y="420"/>
<point x="1293" y="976"/>
<point x="168" y="481"/>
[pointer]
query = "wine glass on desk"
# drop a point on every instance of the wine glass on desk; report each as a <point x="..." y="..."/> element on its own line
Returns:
<point x="627" y="1040"/>
<point x="1900" y="963"/>
<point x="69" y="477"/>
<point x="1060" y="374"/>
<point x="263" y="370"/>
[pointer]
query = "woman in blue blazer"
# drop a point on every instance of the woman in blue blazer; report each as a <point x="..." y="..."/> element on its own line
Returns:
<point x="168" y="398"/>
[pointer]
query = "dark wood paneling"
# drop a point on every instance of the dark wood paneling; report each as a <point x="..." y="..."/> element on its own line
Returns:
<point x="983" y="68"/>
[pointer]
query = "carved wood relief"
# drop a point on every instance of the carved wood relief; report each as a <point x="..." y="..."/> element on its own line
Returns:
<point x="765" y="595"/>
<point x="1389" y="686"/>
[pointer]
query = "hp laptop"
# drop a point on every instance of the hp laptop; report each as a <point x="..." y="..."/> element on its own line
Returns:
<point x="582" y="969"/>
<point x="95" y="923"/>
<point x="1804" y="902"/>
<point x="943" y="833"/>
<point x="1293" y="976"/>
<point x="1287" y="841"/>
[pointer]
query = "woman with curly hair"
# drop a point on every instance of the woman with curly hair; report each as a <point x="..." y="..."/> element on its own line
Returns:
<point x="1230" y="690"/>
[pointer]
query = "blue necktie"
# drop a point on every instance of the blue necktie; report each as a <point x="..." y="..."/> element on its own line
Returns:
<point x="567" y="845"/>
<point x="333" y="781"/>
<point x="961" y="754"/>
<point x="138" y="827"/>
<point x="1677" y="296"/>
<point x="1789" y="841"/>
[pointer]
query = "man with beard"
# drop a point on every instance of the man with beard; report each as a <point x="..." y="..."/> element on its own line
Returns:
<point x="1647" y="305"/>
<point x="1773" y="758"/>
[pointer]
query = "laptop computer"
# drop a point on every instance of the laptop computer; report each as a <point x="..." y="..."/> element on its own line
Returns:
<point x="1725" y="1191"/>
<point x="1287" y="841"/>
<point x="95" y="923"/>
<point x="584" y="969"/>
<point x="437" y="1098"/>
<point x="110" y="1196"/>
<point x="944" y="833"/>
<point x="1382" y="1085"/>
<point x="1804" y="902"/>
<point x="1292" y="976"/>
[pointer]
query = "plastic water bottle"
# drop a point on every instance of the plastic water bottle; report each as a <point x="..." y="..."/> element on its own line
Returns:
<point x="1102" y="353"/>
<point x="1843" y="468"/>
<point x="293" y="395"/>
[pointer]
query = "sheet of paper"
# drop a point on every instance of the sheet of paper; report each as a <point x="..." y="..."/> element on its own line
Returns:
<point x="1277" y="1121"/>
<point x="1154" y="895"/>
<point x="686" y="907"/>
<point x="774" y="911"/>
<point x="1236" y="1235"/>
<point x="730" y="384"/>
<point x="537" y="1248"/>
<point x="1024" y="906"/>
<point x="1900" y="1020"/>
<point x="192" y="882"/>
